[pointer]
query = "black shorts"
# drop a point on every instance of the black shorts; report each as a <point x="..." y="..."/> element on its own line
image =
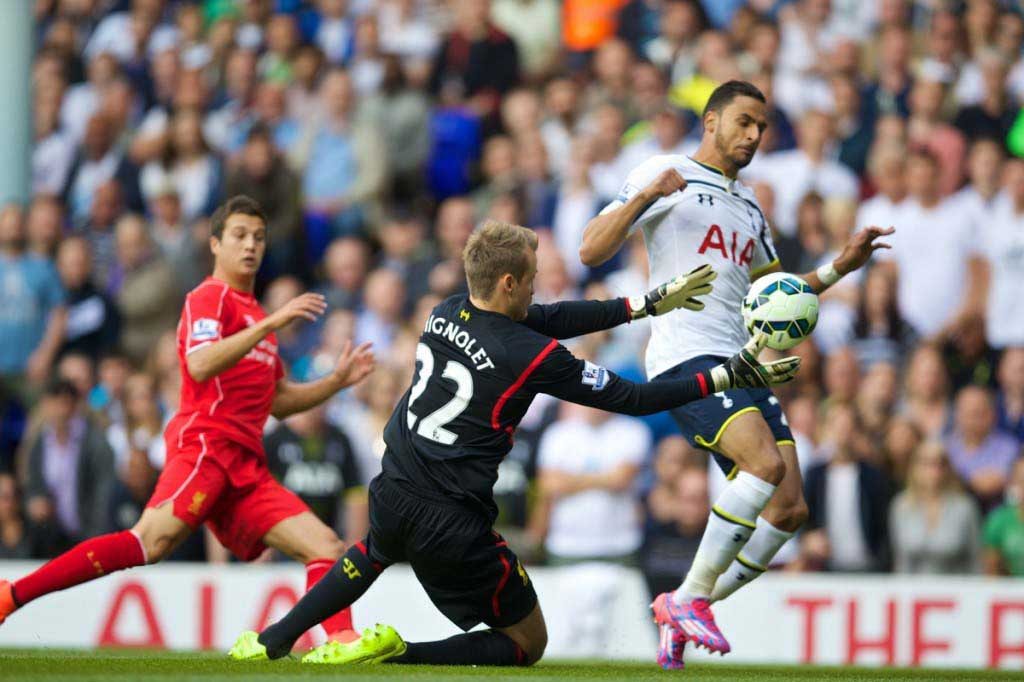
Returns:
<point x="466" y="568"/>
<point x="703" y="421"/>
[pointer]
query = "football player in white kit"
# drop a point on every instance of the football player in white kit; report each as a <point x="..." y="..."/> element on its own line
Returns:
<point x="692" y="211"/>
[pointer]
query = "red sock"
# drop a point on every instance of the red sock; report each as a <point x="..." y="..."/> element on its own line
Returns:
<point x="340" y="621"/>
<point x="94" y="558"/>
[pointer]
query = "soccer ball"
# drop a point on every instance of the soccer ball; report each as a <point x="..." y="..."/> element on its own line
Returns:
<point x="783" y="306"/>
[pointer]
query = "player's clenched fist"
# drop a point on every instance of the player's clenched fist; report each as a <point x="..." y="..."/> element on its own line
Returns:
<point x="304" y="307"/>
<point x="667" y="182"/>
<point x="679" y="292"/>
<point x="354" y="365"/>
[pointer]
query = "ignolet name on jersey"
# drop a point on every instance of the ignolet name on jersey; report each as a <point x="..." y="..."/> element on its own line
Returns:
<point x="461" y="338"/>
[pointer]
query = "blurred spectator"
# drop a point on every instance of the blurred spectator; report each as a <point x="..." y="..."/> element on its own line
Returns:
<point x="889" y="91"/>
<point x="406" y="30"/>
<point x="993" y="115"/>
<point x="900" y="441"/>
<point x="931" y="251"/>
<point x="677" y="511"/>
<point x="184" y="245"/>
<point x="1004" y="530"/>
<point x="317" y="462"/>
<point x="402" y="113"/>
<point x="380" y="319"/>
<point x="981" y="454"/>
<point x="1010" y="401"/>
<point x="848" y="499"/>
<point x="15" y="542"/>
<point x="93" y="322"/>
<point x="54" y="149"/>
<point x="674" y="49"/>
<point x="97" y="164"/>
<point x="145" y="289"/>
<point x="132" y="440"/>
<point x="33" y="316"/>
<point x="346" y="264"/>
<point x="808" y="168"/>
<point x="927" y="130"/>
<point x="69" y="471"/>
<point x="879" y="334"/>
<point x="44" y="226"/>
<point x="876" y="398"/>
<point x="189" y="164"/>
<point x="587" y="464"/>
<point x="344" y="161"/>
<point x="476" y="58"/>
<point x="887" y="172"/>
<point x="926" y="397"/>
<point x="98" y="230"/>
<point x="1001" y="245"/>
<point x="535" y="26"/>
<point x="263" y="175"/>
<point x="934" y="527"/>
<point x="405" y="250"/>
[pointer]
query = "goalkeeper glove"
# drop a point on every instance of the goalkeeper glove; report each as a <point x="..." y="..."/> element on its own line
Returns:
<point x="679" y="292"/>
<point x="744" y="371"/>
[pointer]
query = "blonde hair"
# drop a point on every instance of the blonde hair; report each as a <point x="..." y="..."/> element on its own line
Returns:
<point x="950" y="483"/>
<point x="494" y="250"/>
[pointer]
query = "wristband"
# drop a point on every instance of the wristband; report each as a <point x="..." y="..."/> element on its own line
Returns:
<point x="828" y="274"/>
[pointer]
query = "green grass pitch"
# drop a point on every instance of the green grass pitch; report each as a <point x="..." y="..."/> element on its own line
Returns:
<point x="38" y="665"/>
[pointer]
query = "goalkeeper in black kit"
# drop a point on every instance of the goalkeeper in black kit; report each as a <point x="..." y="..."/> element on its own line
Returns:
<point x="480" y="361"/>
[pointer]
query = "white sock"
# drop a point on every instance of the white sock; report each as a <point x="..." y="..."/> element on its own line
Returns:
<point x="730" y="525"/>
<point x="753" y="559"/>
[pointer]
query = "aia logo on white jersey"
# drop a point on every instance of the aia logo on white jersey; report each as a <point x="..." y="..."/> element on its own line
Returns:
<point x="716" y="242"/>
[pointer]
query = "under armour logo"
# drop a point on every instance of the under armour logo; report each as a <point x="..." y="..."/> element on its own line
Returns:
<point x="702" y="197"/>
<point x="737" y="537"/>
<point x="741" y="576"/>
<point x="464" y="315"/>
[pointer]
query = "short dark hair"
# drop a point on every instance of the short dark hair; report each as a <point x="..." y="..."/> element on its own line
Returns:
<point x="725" y="93"/>
<point x="239" y="203"/>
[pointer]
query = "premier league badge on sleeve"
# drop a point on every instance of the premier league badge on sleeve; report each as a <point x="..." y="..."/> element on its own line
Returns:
<point x="594" y="376"/>
<point x="205" y="329"/>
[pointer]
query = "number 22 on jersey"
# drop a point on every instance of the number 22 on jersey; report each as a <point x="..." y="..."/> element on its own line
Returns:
<point x="433" y="425"/>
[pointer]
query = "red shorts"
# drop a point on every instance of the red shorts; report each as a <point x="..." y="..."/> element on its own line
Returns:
<point x="230" y="489"/>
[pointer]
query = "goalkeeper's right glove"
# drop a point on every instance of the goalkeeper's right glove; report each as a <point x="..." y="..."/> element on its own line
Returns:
<point x="744" y="371"/>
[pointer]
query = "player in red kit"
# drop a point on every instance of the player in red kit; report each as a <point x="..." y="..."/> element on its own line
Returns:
<point x="216" y="471"/>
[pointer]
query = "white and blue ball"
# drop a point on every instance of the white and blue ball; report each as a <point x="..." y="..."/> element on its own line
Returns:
<point x="783" y="306"/>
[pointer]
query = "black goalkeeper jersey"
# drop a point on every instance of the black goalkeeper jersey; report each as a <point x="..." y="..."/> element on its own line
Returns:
<point x="477" y="373"/>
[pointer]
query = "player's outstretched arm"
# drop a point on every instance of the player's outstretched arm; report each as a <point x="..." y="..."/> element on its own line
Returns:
<point x="354" y="365"/>
<point x="606" y="232"/>
<point x="210" y="360"/>
<point x="564" y="376"/>
<point x="854" y="255"/>
<point x="568" y="319"/>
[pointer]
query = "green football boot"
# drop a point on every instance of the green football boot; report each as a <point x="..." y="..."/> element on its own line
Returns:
<point x="378" y="644"/>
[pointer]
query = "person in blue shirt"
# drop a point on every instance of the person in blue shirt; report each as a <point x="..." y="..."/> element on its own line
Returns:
<point x="32" y="310"/>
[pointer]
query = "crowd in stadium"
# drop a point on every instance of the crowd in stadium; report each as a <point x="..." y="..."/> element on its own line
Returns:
<point x="378" y="133"/>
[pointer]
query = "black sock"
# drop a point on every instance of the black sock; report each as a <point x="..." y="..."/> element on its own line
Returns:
<point x="348" y="579"/>
<point x="483" y="647"/>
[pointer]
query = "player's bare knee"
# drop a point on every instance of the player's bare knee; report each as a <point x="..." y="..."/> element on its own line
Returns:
<point x="538" y="643"/>
<point x="768" y="466"/>
<point x="325" y="545"/>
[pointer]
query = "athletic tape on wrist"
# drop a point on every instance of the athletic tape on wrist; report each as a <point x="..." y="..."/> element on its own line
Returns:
<point x="828" y="274"/>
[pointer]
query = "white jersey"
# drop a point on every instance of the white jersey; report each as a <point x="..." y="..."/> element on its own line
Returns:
<point x="713" y="220"/>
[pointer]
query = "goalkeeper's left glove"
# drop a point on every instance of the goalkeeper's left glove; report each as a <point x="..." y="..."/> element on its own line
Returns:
<point x="679" y="292"/>
<point x="743" y="370"/>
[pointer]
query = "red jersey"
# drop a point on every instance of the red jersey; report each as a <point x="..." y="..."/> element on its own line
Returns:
<point x="235" y="404"/>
